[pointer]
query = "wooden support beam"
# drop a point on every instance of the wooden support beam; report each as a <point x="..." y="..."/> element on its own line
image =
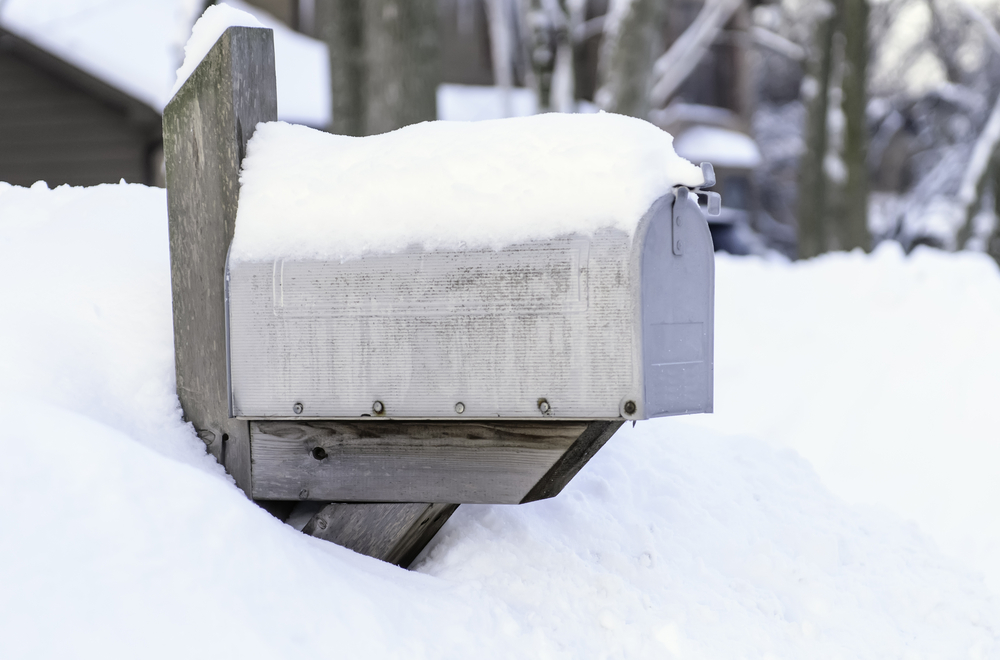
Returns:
<point x="395" y="461"/>
<point x="206" y="127"/>
<point x="395" y="533"/>
<point x="572" y="461"/>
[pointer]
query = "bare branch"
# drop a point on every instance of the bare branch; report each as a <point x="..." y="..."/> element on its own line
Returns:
<point x="673" y="67"/>
<point x="991" y="32"/>
<point x="986" y="144"/>
<point x="777" y="43"/>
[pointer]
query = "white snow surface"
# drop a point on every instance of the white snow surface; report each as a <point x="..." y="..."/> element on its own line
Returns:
<point x="309" y="194"/>
<point x="206" y="31"/>
<point x="701" y="537"/>
<point x="882" y="371"/>
<point x="719" y="146"/>
<point x="136" y="46"/>
<point x="302" y="65"/>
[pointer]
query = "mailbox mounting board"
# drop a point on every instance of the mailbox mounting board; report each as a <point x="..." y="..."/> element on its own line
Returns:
<point x="608" y="326"/>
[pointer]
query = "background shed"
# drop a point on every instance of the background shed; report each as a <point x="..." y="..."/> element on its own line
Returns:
<point x="60" y="124"/>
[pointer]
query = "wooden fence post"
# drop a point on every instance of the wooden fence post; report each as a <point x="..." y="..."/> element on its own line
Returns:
<point x="206" y="127"/>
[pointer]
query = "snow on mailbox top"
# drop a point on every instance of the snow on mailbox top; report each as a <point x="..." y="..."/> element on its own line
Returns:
<point x="449" y="185"/>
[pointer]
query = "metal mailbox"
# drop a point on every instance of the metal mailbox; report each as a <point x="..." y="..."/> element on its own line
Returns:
<point x="608" y="326"/>
<point x="380" y="393"/>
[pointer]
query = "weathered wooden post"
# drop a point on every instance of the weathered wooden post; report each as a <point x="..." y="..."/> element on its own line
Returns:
<point x="206" y="127"/>
<point x="391" y="388"/>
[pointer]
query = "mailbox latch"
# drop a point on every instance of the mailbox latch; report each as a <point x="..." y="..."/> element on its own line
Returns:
<point x="677" y="218"/>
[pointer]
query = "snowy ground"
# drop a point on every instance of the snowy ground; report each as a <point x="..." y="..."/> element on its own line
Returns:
<point x="708" y="537"/>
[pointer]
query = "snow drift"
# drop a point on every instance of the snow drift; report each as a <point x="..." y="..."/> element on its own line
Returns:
<point x="120" y="538"/>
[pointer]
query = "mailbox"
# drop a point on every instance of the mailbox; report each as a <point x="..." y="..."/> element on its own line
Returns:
<point x="608" y="326"/>
<point x="468" y="375"/>
<point x="387" y="388"/>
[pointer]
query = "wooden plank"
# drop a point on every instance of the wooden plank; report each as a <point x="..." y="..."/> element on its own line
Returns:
<point x="206" y="127"/>
<point x="395" y="533"/>
<point x="393" y="461"/>
<point x="589" y="442"/>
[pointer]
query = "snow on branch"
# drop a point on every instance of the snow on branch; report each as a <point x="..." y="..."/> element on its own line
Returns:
<point x="777" y="43"/>
<point x="673" y="67"/>
<point x="991" y="32"/>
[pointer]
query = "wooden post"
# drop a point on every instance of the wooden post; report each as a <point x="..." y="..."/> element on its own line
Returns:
<point x="206" y="127"/>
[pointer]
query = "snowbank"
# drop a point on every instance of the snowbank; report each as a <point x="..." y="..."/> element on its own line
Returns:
<point x="881" y="370"/>
<point x="676" y="540"/>
<point x="306" y="193"/>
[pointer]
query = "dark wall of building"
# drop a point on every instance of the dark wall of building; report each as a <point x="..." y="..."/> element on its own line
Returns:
<point x="54" y="128"/>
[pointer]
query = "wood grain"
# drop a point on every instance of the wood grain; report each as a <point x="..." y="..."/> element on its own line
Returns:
<point x="572" y="461"/>
<point x="392" y="461"/>
<point x="395" y="533"/>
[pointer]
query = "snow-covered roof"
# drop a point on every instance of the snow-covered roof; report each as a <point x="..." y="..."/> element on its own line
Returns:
<point x="719" y="146"/>
<point x="488" y="184"/>
<point x="137" y="46"/>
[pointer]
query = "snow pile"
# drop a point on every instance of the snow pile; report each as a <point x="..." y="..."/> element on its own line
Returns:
<point x="719" y="146"/>
<point x="674" y="541"/>
<point x="206" y="31"/>
<point x="87" y="323"/>
<point x="487" y="184"/>
<point x="882" y="371"/>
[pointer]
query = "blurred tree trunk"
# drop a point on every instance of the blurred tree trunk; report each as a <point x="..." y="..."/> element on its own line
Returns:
<point x="402" y="72"/>
<point x="383" y="62"/>
<point x="812" y="178"/>
<point x="502" y="49"/>
<point x="853" y="224"/>
<point x="833" y="174"/>
<point x="993" y="239"/>
<point x="541" y="50"/>
<point x="632" y="41"/>
<point x="338" y="23"/>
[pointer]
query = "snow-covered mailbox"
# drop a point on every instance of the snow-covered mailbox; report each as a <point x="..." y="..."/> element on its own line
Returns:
<point x="450" y="313"/>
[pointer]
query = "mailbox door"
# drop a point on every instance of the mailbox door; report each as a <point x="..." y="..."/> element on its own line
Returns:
<point x="678" y="308"/>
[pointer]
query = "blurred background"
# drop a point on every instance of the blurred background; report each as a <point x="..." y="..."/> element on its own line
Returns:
<point x="832" y="124"/>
